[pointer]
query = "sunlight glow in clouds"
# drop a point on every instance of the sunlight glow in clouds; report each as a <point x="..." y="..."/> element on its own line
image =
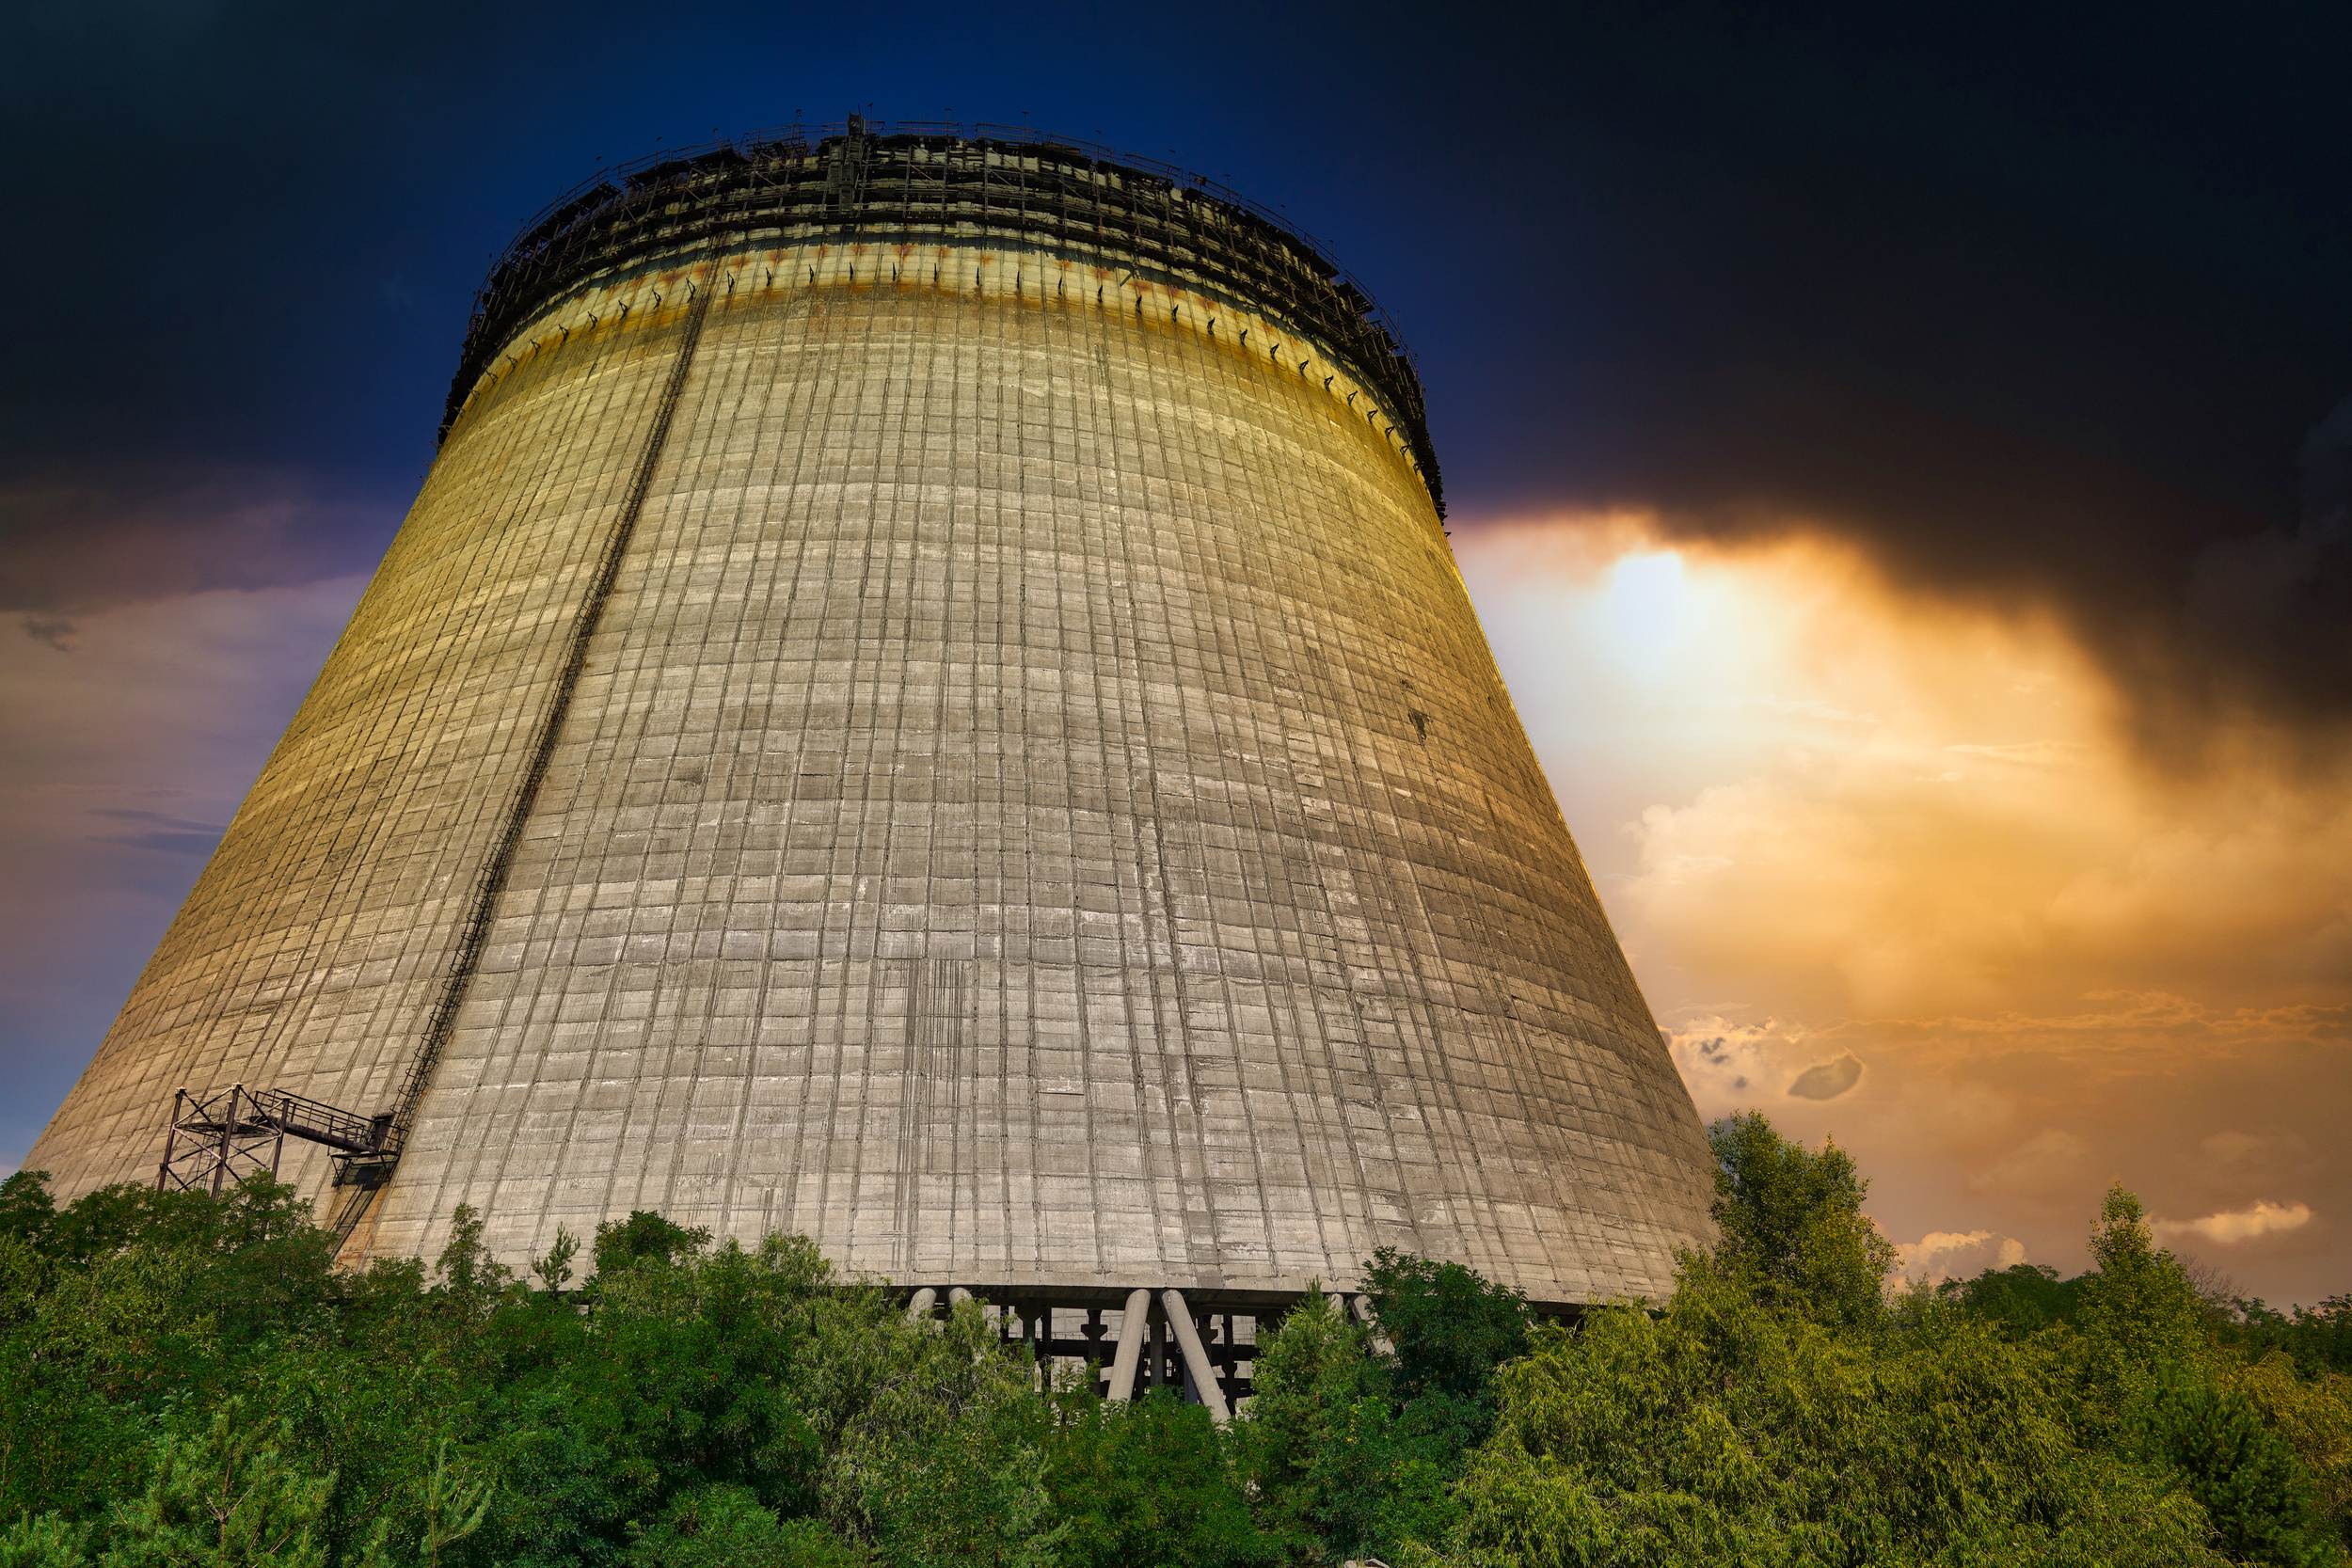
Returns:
<point x="2241" y="1226"/>
<point x="1942" y="1255"/>
<point x="1889" y="868"/>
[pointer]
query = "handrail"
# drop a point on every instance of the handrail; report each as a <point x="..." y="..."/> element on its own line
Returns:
<point x="874" y="177"/>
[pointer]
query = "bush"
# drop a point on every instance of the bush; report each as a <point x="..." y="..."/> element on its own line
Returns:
<point x="190" y="1379"/>
<point x="2023" y="1299"/>
<point x="1147" y="1484"/>
<point x="2256" y="1493"/>
<point x="1791" y="1222"/>
<point x="1729" y="1430"/>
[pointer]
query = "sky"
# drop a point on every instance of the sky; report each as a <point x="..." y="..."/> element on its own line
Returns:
<point x="1903" y="464"/>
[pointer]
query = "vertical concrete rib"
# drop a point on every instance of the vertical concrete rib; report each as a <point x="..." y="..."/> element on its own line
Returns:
<point x="491" y="880"/>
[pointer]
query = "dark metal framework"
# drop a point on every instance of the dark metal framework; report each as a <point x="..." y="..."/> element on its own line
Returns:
<point x="222" y="1138"/>
<point x="1066" y="1329"/>
<point x="926" y="179"/>
<point x="1205" y="1348"/>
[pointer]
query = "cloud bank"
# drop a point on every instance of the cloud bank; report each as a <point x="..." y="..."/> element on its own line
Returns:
<point x="2262" y="1218"/>
<point x="1942" y="1255"/>
<point x="1898" y="871"/>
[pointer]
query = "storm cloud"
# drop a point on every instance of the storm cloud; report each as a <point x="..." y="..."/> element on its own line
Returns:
<point x="2032" y="309"/>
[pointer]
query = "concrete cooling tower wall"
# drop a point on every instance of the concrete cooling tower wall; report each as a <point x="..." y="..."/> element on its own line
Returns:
<point x="926" y="702"/>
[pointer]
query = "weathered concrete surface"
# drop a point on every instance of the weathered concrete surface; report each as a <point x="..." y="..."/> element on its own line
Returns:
<point x="1039" y="811"/>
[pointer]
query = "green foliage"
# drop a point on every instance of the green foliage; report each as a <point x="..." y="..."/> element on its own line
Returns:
<point x="2139" y="1309"/>
<point x="2312" y="1416"/>
<point x="727" y="1527"/>
<point x="26" y="1210"/>
<point x="643" y="1238"/>
<point x="2256" y="1493"/>
<point x="2317" y="1338"/>
<point x="1791" y="1220"/>
<point x="234" y="1495"/>
<point x="932" y="1438"/>
<point x="1450" y="1329"/>
<point x="1730" y="1429"/>
<point x="2022" y="1299"/>
<point x="554" y="1268"/>
<point x="1357" y="1453"/>
<point x="188" y="1379"/>
<point x="43" y="1540"/>
<point x="1301" y="1437"/>
<point x="1147" y="1484"/>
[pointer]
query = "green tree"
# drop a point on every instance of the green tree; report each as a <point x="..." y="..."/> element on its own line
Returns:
<point x="229" y="1496"/>
<point x="1301" y="1437"/>
<point x="1449" y="1329"/>
<point x="1777" y="1410"/>
<point x="43" y="1540"/>
<point x="26" y="1210"/>
<point x="1791" y="1219"/>
<point x="2317" y="1338"/>
<point x="727" y="1527"/>
<point x="2139" y="1299"/>
<point x="1351" y="1455"/>
<point x="1147" y="1483"/>
<point x="934" y="1450"/>
<point x="646" y="1238"/>
<point x="2258" y="1495"/>
<point x="2022" y="1299"/>
<point x="1733" y="1428"/>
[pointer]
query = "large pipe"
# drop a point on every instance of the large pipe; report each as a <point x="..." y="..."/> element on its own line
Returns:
<point x="919" y="1306"/>
<point x="1130" y="1323"/>
<point x="1362" y="1305"/>
<point x="1197" y="1360"/>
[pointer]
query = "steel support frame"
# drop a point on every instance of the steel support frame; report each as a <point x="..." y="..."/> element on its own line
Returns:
<point x="219" y="1140"/>
<point x="222" y="1138"/>
<point x="1204" y="1349"/>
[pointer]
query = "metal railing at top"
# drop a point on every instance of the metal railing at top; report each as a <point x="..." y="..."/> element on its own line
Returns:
<point x="804" y="139"/>
<point x="252" y="1111"/>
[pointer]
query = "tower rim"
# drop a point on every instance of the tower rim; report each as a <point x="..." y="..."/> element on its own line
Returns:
<point x="861" y="181"/>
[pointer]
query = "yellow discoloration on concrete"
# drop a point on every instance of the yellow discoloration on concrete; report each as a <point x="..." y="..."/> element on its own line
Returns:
<point x="1038" y="810"/>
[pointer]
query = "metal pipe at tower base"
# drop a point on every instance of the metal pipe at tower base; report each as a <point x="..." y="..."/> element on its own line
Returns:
<point x="1196" y="1362"/>
<point x="1131" y="1327"/>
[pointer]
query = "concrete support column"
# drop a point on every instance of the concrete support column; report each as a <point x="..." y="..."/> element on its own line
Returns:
<point x="1197" y="1360"/>
<point x="1131" y="1327"/>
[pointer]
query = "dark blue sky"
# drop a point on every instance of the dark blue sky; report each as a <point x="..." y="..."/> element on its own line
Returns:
<point x="2029" y="304"/>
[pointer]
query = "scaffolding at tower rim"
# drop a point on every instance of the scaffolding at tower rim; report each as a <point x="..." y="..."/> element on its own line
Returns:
<point x="932" y="178"/>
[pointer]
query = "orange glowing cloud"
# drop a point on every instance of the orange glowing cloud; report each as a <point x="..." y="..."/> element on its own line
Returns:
<point x="1895" y="869"/>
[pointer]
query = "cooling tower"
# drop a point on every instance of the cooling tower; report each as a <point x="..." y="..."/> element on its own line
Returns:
<point x="923" y="701"/>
